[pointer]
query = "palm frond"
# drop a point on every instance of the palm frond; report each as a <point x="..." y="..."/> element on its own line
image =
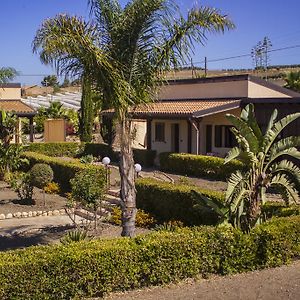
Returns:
<point x="246" y="131"/>
<point x="287" y="167"/>
<point x="276" y="129"/>
<point x="285" y="187"/>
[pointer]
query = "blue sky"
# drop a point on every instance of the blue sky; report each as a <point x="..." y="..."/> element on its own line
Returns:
<point x="279" y="20"/>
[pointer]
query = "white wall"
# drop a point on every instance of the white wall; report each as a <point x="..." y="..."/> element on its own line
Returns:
<point x="166" y="145"/>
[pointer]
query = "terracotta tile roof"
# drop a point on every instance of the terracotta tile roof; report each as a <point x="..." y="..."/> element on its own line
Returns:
<point x="184" y="108"/>
<point x="16" y="106"/>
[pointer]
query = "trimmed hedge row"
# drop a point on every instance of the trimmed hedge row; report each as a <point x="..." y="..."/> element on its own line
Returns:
<point x="166" y="202"/>
<point x="64" y="170"/>
<point x="90" y="269"/>
<point x="198" y="165"/>
<point x="70" y="149"/>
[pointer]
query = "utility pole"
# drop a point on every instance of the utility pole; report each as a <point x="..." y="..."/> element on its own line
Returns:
<point x="205" y="66"/>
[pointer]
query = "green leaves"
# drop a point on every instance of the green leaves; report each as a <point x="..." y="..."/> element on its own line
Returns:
<point x="7" y="74"/>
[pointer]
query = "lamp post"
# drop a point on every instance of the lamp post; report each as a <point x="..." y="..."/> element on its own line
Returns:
<point x="33" y="125"/>
<point x="138" y="169"/>
<point x="106" y="162"/>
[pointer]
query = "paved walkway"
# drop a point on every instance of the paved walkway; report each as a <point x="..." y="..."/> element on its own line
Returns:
<point x="270" y="284"/>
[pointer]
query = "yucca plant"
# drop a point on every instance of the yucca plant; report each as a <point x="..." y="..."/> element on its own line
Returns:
<point x="74" y="236"/>
<point x="268" y="164"/>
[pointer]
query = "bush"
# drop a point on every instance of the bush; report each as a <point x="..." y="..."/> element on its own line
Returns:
<point x="56" y="149"/>
<point x="198" y="165"/>
<point x="22" y="185"/>
<point x="64" y="170"/>
<point x="90" y="269"/>
<point x="100" y="150"/>
<point x="144" y="157"/>
<point x="278" y="209"/>
<point x="52" y="188"/>
<point x="41" y="174"/>
<point x="166" y="202"/>
<point x="142" y="219"/>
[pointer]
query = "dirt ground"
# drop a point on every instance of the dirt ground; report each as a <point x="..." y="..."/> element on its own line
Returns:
<point x="9" y="202"/>
<point x="270" y="284"/>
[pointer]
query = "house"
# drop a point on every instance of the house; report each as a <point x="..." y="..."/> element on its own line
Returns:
<point x="10" y="101"/>
<point x="189" y="115"/>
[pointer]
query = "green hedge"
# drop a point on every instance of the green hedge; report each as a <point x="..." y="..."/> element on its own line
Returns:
<point x="64" y="170"/>
<point x="166" y="201"/>
<point x="198" y="165"/>
<point x="279" y="209"/>
<point x="67" y="149"/>
<point x="144" y="157"/>
<point x="90" y="269"/>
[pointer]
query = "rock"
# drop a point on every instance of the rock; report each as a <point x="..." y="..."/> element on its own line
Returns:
<point x="30" y="214"/>
<point x="50" y="213"/>
<point x="44" y="214"/>
<point x="62" y="211"/>
<point x="34" y="213"/>
<point x="17" y="215"/>
<point x="2" y="217"/>
<point x="39" y="213"/>
<point x="56" y="212"/>
<point x="24" y="214"/>
<point x="9" y="216"/>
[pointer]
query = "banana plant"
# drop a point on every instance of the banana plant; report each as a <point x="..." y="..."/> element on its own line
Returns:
<point x="268" y="165"/>
<point x="221" y="210"/>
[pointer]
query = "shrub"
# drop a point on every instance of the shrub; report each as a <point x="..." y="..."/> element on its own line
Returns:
<point x="166" y="202"/>
<point x="198" y="165"/>
<point x="74" y="236"/>
<point x="52" y="188"/>
<point x="143" y="219"/>
<point x="279" y="209"/>
<point x="144" y="157"/>
<point x="100" y="150"/>
<point x="87" y="159"/>
<point x="41" y="174"/>
<point x="67" y="149"/>
<point x="90" y="269"/>
<point x="64" y="170"/>
<point x="22" y="185"/>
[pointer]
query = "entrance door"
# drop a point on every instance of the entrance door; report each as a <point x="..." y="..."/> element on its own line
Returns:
<point x="175" y="137"/>
<point x="208" y="138"/>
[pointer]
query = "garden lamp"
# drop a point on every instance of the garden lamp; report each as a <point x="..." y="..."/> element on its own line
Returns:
<point x="106" y="162"/>
<point x="138" y="169"/>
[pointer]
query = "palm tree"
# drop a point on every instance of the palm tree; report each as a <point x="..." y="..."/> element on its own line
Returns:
<point x="293" y="81"/>
<point x="124" y="52"/>
<point x="7" y="74"/>
<point x="268" y="164"/>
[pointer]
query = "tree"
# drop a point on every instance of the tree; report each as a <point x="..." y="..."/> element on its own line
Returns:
<point x="268" y="164"/>
<point x="293" y="81"/>
<point x="260" y="53"/>
<point x="125" y="52"/>
<point x="7" y="74"/>
<point x="50" y="80"/>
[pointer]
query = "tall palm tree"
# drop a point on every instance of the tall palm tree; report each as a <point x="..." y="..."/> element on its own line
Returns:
<point x="125" y="52"/>
<point x="268" y="164"/>
<point x="7" y="74"/>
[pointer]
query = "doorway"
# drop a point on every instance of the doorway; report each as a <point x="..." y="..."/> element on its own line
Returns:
<point x="208" y="138"/>
<point x="175" y="138"/>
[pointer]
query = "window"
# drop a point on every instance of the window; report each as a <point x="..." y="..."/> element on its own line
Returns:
<point x="159" y="132"/>
<point x="230" y="140"/>
<point x="218" y="136"/>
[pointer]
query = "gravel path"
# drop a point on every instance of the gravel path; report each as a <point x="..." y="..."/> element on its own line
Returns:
<point x="270" y="284"/>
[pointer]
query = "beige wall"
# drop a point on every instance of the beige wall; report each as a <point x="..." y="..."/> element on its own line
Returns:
<point x="139" y="130"/>
<point x="259" y="91"/>
<point x="166" y="145"/>
<point x="10" y="93"/>
<point x="205" y="90"/>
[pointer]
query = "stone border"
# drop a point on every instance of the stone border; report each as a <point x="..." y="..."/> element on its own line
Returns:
<point x="30" y="214"/>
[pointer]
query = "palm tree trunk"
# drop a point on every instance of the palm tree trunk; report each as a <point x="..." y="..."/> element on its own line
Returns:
<point x="127" y="172"/>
